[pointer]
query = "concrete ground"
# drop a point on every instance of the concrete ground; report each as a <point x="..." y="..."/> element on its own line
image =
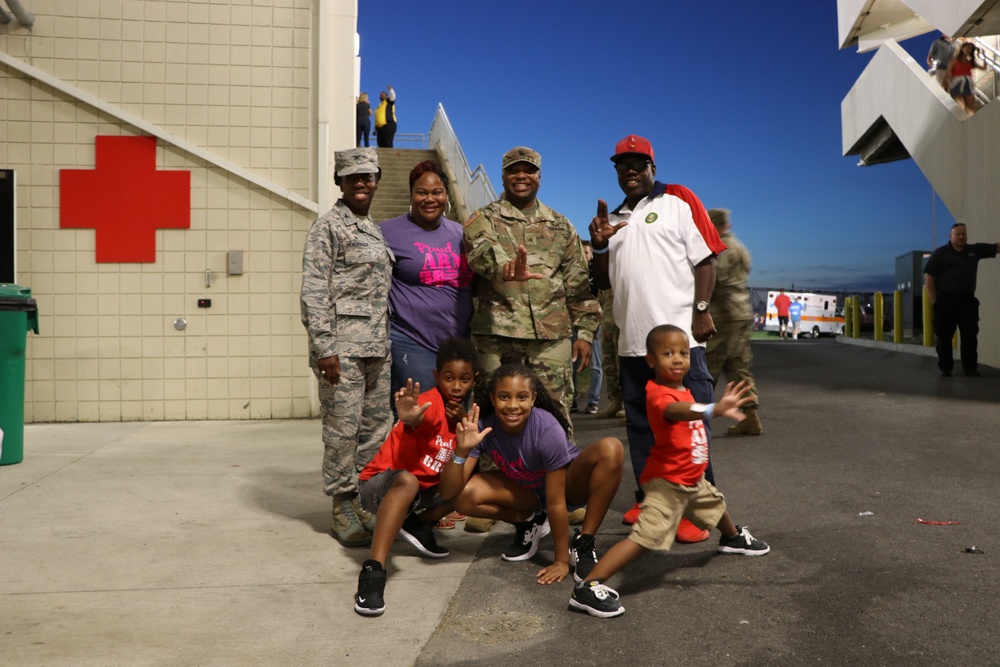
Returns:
<point x="206" y="543"/>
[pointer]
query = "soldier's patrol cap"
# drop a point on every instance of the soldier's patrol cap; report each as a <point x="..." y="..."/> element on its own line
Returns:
<point x="355" y="161"/>
<point x="633" y="145"/>
<point x="719" y="217"/>
<point x="521" y="154"/>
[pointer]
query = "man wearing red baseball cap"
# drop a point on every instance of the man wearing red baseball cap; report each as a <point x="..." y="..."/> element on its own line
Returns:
<point x="657" y="252"/>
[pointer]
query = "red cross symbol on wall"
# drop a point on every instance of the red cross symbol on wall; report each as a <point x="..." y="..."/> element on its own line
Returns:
<point x="125" y="199"/>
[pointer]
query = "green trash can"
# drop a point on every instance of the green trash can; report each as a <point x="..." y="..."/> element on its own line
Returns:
<point x="18" y="314"/>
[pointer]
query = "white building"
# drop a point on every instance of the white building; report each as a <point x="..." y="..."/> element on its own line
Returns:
<point x="896" y="110"/>
<point x="250" y="100"/>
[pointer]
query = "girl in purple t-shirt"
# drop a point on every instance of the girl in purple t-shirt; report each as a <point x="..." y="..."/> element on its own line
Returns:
<point x="540" y="472"/>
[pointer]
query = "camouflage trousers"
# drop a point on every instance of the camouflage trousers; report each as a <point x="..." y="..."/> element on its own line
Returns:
<point x="728" y="353"/>
<point x="609" y="346"/>
<point x="550" y="360"/>
<point x="356" y="420"/>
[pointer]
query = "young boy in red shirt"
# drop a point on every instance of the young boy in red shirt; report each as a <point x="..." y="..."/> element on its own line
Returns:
<point x="400" y="485"/>
<point x="674" y="478"/>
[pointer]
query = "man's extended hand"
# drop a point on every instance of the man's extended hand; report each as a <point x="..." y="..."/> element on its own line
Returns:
<point x="517" y="269"/>
<point x="600" y="228"/>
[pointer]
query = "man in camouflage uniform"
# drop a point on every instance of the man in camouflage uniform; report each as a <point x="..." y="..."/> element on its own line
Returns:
<point x="729" y="350"/>
<point x="346" y="272"/>
<point x="531" y="281"/>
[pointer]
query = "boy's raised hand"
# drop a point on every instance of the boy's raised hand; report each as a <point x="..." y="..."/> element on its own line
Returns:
<point x="407" y="407"/>
<point x="467" y="433"/>
<point x="734" y="398"/>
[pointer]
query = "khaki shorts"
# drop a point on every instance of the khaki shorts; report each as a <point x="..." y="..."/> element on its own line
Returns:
<point x="666" y="503"/>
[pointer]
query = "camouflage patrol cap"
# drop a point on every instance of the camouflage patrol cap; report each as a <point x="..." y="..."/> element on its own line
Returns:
<point x="719" y="217"/>
<point x="521" y="154"/>
<point x="355" y="161"/>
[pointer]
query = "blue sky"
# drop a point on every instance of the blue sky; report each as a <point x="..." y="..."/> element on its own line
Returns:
<point x="741" y="102"/>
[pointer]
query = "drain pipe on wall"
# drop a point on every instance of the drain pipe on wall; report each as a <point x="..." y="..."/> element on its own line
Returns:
<point x="26" y="18"/>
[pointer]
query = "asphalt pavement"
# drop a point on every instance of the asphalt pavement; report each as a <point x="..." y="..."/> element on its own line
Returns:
<point x="182" y="543"/>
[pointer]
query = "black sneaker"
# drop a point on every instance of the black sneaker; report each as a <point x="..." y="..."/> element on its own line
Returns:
<point x="421" y="536"/>
<point x="368" y="601"/>
<point x="582" y="555"/>
<point x="743" y="543"/>
<point x="596" y="599"/>
<point x="527" y="535"/>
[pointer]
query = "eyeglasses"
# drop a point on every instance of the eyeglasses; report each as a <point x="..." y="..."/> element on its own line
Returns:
<point x="632" y="165"/>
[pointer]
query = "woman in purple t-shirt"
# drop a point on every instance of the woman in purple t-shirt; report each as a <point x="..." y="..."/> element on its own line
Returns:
<point x="430" y="299"/>
<point x="540" y="472"/>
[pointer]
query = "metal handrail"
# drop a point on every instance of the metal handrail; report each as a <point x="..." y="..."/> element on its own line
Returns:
<point x="986" y="80"/>
<point x="474" y="184"/>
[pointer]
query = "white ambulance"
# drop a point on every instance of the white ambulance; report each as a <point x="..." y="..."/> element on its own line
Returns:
<point x="820" y="314"/>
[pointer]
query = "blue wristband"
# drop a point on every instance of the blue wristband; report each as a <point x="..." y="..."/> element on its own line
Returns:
<point x="600" y="251"/>
<point x="460" y="460"/>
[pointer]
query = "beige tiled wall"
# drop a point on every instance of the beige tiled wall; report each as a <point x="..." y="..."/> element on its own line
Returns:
<point x="232" y="77"/>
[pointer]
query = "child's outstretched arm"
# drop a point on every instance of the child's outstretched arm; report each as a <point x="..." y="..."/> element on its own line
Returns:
<point x="733" y="398"/>
<point x="467" y="437"/>
<point x="409" y="410"/>
<point x="555" y="505"/>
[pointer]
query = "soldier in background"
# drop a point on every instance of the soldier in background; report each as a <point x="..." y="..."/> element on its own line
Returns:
<point x="729" y="350"/>
<point x="609" y="359"/>
<point x="531" y="282"/>
<point x="346" y="273"/>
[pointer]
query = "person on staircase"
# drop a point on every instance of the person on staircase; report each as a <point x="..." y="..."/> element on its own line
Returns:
<point x="960" y="84"/>
<point x="385" y="118"/>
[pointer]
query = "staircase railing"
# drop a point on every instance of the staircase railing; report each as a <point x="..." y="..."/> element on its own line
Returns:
<point x="474" y="184"/>
<point x="986" y="80"/>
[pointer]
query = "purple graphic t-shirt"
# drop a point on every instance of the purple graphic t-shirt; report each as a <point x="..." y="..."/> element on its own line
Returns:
<point x="431" y="296"/>
<point x="542" y="445"/>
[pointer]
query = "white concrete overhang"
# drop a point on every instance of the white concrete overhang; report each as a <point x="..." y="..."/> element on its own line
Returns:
<point x="867" y="24"/>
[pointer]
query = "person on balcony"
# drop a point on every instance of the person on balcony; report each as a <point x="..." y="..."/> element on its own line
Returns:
<point x="960" y="84"/>
<point x="939" y="57"/>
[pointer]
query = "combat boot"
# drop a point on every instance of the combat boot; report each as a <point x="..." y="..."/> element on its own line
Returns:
<point x="610" y="410"/>
<point x="346" y="527"/>
<point x="749" y="426"/>
<point x="366" y="518"/>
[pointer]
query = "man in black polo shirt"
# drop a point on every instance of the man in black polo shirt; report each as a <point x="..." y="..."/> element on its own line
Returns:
<point x="950" y="277"/>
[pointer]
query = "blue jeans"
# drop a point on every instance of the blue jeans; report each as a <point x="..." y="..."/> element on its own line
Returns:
<point x="635" y="373"/>
<point x="596" y="372"/>
<point x="410" y="359"/>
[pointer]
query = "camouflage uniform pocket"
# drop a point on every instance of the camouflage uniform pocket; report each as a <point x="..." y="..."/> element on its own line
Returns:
<point x="354" y="320"/>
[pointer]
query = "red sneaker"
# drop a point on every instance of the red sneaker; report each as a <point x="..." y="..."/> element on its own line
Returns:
<point x="689" y="533"/>
<point x="632" y="515"/>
